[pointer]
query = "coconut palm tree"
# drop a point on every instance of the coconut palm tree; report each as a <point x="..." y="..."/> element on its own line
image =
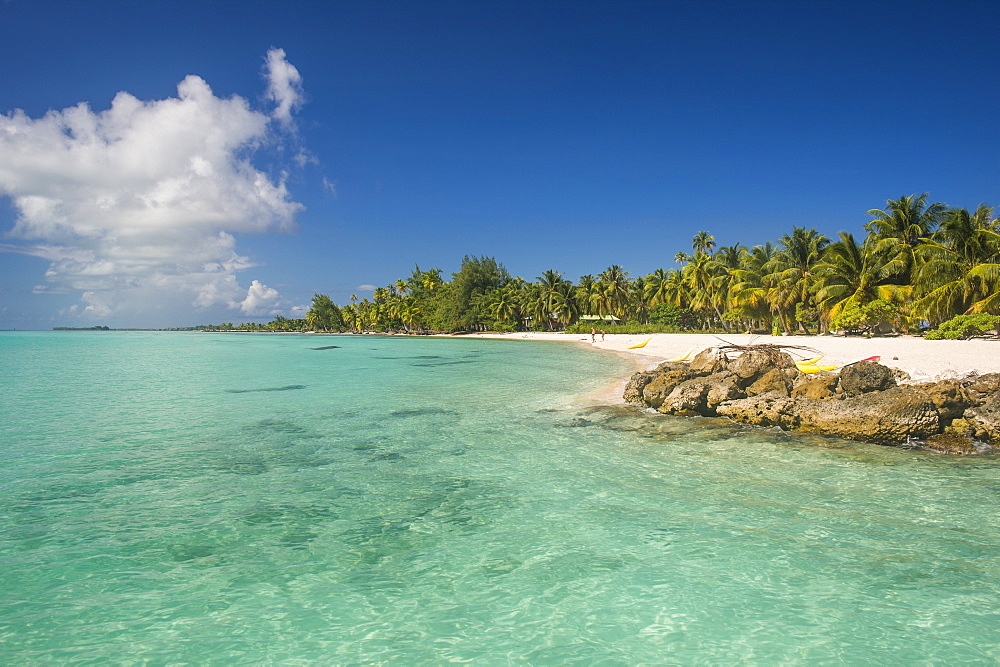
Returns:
<point x="657" y="288"/>
<point x="586" y="294"/>
<point x="703" y="242"/>
<point x="790" y="273"/>
<point x="748" y="293"/>
<point x="852" y="275"/>
<point x="901" y="226"/>
<point x="959" y="267"/>
<point x="615" y="290"/>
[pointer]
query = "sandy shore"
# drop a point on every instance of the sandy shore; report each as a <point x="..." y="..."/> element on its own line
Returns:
<point x="922" y="359"/>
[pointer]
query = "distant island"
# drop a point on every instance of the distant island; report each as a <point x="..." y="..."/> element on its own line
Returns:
<point x="97" y="328"/>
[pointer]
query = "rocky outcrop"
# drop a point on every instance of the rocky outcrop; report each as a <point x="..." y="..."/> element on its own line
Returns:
<point x="889" y="417"/>
<point x="771" y="409"/>
<point x="864" y="377"/>
<point x="762" y="387"/>
<point x="985" y="419"/>
<point x="635" y="385"/>
<point x="981" y="387"/>
<point x="950" y="398"/>
<point x="816" y="388"/>
<point x="657" y="390"/>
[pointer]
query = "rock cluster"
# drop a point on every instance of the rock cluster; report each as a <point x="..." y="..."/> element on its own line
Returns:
<point x="763" y="387"/>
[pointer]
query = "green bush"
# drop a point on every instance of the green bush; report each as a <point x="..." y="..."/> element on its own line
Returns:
<point x="865" y="317"/>
<point x="667" y="314"/>
<point x="627" y="328"/>
<point x="965" y="326"/>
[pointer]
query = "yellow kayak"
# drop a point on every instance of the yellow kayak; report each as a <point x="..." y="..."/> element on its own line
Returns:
<point x="688" y="356"/>
<point x="638" y="345"/>
<point x="813" y="368"/>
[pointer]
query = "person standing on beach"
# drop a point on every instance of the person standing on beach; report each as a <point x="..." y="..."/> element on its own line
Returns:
<point x="593" y="335"/>
<point x="602" y="335"/>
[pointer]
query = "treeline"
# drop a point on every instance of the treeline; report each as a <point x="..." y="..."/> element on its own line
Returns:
<point x="918" y="264"/>
<point x="277" y="324"/>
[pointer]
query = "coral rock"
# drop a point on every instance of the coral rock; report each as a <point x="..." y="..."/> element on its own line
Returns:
<point x="817" y="388"/>
<point x="708" y="361"/>
<point x="889" y="417"/>
<point x="638" y="382"/>
<point x="771" y="409"/>
<point x="864" y="377"/>
<point x="985" y="419"/>
<point x="661" y="385"/>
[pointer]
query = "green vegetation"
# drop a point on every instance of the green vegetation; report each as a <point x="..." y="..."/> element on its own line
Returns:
<point x="966" y="326"/>
<point x="97" y="328"/>
<point x="920" y="264"/>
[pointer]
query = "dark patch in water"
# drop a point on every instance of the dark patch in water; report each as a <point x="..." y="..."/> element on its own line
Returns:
<point x="297" y="539"/>
<point x="414" y="356"/>
<point x="284" y="513"/>
<point x="242" y="467"/>
<point x="495" y="567"/>
<point x="326" y="347"/>
<point x="420" y="412"/>
<point x="280" y="425"/>
<point x="388" y="456"/>
<point x="287" y="387"/>
<point x="182" y="553"/>
<point x="442" y="363"/>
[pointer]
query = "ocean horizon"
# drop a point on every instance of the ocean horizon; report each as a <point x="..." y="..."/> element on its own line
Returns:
<point x="181" y="497"/>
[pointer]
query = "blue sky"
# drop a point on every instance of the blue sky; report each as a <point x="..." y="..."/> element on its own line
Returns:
<point x="327" y="146"/>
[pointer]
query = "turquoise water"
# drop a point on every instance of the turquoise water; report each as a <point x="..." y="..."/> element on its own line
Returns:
<point x="220" y="499"/>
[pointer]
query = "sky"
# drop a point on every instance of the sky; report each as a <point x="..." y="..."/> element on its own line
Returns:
<point x="180" y="163"/>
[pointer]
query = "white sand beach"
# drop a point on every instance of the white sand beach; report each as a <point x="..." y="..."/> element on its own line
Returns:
<point x="922" y="359"/>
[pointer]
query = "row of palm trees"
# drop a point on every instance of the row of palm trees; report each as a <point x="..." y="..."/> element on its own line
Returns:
<point x="928" y="261"/>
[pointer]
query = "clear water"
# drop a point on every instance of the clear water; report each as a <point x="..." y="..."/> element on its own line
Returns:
<point x="220" y="499"/>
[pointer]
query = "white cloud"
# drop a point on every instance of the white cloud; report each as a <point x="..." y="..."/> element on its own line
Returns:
<point x="261" y="300"/>
<point x="284" y="86"/>
<point x="366" y="288"/>
<point x="135" y="206"/>
<point x="330" y="186"/>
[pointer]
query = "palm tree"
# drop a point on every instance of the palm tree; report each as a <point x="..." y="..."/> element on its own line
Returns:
<point x="657" y="288"/>
<point x="902" y="225"/>
<point x="790" y="273"/>
<point x="959" y="267"/>
<point x="503" y="304"/>
<point x="727" y="260"/>
<point x="748" y="293"/>
<point x="852" y="275"/>
<point x="586" y="294"/>
<point x="703" y="242"/>
<point x="701" y="277"/>
<point x="614" y="290"/>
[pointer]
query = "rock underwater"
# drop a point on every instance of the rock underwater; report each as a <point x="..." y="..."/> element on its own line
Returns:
<point x="763" y="387"/>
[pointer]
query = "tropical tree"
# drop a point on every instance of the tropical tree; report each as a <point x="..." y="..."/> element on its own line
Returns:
<point x="900" y="227"/>
<point x="324" y="314"/>
<point x="748" y="294"/>
<point x="959" y="267"/>
<point x="852" y="275"/>
<point x="790" y="273"/>
<point x="614" y="291"/>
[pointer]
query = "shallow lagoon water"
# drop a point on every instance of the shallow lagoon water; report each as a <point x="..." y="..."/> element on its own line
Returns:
<point x="226" y="498"/>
